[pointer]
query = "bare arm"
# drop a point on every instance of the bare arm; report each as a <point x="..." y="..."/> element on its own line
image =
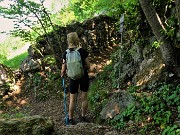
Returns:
<point x="87" y="63"/>
<point x="63" y="69"/>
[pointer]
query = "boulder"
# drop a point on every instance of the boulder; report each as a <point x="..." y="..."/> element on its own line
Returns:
<point x="118" y="103"/>
<point x="151" y="71"/>
<point x="6" y="75"/>
<point x="29" y="64"/>
<point x="33" y="125"/>
<point x="6" y="78"/>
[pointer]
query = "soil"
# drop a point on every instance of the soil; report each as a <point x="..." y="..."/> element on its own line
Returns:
<point x="24" y="101"/>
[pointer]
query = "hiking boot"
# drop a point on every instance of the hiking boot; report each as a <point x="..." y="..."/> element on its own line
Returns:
<point x="84" y="120"/>
<point x="71" y="122"/>
<point x="66" y="120"/>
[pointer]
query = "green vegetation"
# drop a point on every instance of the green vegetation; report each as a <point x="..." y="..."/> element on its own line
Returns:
<point x="157" y="110"/>
<point x="14" y="114"/>
<point x="45" y="85"/>
<point x="15" y="62"/>
<point x="10" y="45"/>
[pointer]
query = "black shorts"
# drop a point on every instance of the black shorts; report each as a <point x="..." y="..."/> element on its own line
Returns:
<point x="83" y="83"/>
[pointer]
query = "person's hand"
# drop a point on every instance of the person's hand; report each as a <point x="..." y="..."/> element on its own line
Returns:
<point x="62" y="76"/>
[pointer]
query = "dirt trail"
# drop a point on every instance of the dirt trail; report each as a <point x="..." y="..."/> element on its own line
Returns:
<point x="54" y="106"/>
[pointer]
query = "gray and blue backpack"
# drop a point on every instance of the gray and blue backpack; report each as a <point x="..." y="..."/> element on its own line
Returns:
<point x="75" y="68"/>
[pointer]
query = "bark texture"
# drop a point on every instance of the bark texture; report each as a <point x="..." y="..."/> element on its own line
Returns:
<point x="177" y="2"/>
<point x="157" y="26"/>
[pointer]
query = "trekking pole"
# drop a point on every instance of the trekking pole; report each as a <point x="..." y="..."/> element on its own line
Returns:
<point x="65" y="108"/>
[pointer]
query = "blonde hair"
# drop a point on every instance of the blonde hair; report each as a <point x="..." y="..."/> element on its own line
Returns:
<point x="73" y="40"/>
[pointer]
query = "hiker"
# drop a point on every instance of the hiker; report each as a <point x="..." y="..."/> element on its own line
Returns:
<point x="83" y="82"/>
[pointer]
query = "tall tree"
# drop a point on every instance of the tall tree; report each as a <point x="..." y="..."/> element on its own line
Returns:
<point x="178" y="10"/>
<point x="157" y="27"/>
<point x="35" y="17"/>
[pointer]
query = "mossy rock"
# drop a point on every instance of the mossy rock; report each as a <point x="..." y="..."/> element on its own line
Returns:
<point x="33" y="125"/>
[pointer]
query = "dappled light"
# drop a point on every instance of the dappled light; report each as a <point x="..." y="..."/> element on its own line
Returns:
<point x="99" y="60"/>
<point x="13" y="98"/>
<point x="133" y="50"/>
<point x="150" y="73"/>
<point x="21" y="101"/>
<point x="113" y="112"/>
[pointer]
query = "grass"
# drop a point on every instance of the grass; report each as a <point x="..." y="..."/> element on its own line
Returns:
<point x="15" y="62"/>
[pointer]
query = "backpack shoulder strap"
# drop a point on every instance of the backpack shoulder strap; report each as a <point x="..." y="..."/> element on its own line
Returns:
<point x="67" y="50"/>
<point x="78" y="48"/>
<point x="78" y="51"/>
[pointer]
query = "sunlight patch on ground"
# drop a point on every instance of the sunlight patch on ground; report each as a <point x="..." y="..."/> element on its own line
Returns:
<point x="108" y="62"/>
<point x="21" y="101"/>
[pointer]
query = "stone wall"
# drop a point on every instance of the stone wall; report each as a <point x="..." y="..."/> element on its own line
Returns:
<point x="7" y="77"/>
<point x="32" y="125"/>
<point x="95" y="34"/>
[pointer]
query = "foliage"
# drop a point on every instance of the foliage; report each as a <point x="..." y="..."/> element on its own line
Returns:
<point x="27" y="14"/>
<point x="82" y="9"/>
<point x="14" y="115"/>
<point x="158" y="110"/>
<point x="115" y="70"/>
<point x="63" y="19"/>
<point x="10" y="45"/>
<point x="122" y="56"/>
<point x="2" y="58"/>
<point x="156" y="44"/>
<point x="45" y="85"/>
<point x="85" y="9"/>
<point x="32" y="15"/>
<point x="49" y="60"/>
<point x="171" y="130"/>
<point x="98" y="91"/>
<point x="16" y="61"/>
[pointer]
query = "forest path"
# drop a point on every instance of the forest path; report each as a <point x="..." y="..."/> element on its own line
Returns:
<point x="53" y="107"/>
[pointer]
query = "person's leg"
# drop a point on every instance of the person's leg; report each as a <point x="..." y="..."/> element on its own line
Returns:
<point x="73" y="93"/>
<point x="84" y="103"/>
<point x="72" y="105"/>
<point x="84" y="86"/>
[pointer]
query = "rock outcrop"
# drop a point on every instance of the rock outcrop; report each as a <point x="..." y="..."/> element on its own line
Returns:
<point x="118" y="103"/>
<point x="95" y="35"/>
<point x="33" y="125"/>
<point x="6" y="78"/>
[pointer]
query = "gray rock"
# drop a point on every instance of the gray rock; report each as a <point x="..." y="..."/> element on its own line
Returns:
<point x="118" y="103"/>
<point x="33" y="125"/>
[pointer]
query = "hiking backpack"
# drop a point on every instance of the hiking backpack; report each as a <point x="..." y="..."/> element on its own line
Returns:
<point x="75" y="69"/>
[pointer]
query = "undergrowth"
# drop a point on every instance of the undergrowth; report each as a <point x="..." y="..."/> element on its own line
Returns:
<point x="154" y="113"/>
<point x="15" y="62"/>
<point x="99" y="92"/>
<point x="44" y="85"/>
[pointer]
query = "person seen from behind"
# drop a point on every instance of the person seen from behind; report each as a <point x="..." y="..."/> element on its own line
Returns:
<point x="83" y="82"/>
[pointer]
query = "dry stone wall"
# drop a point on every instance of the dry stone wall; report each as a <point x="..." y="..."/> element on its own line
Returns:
<point x="95" y="34"/>
<point x="6" y="78"/>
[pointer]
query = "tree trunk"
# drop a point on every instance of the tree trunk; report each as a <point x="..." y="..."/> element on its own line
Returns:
<point x="157" y="26"/>
<point x="177" y="2"/>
